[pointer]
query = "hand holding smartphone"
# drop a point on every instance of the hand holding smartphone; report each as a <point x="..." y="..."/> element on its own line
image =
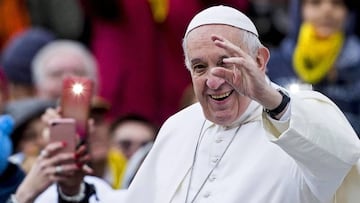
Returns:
<point x="76" y="101"/>
<point x="63" y="130"/>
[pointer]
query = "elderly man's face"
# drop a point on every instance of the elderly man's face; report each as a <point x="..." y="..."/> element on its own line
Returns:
<point x="220" y="102"/>
<point x="57" y="68"/>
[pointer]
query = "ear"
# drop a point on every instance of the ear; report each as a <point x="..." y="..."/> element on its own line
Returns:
<point x="263" y="58"/>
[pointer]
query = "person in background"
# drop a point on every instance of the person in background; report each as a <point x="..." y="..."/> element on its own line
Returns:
<point x="21" y="101"/>
<point x="16" y="61"/>
<point x="322" y="50"/>
<point x="65" y="170"/>
<point x="132" y="135"/>
<point x="130" y="132"/>
<point x="27" y="137"/>
<point x="106" y="162"/>
<point x="57" y="60"/>
<point x="63" y="58"/>
<point x="60" y="173"/>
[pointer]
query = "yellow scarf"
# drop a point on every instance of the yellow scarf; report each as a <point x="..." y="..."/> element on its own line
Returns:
<point x="314" y="57"/>
<point x="117" y="164"/>
<point x="160" y="9"/>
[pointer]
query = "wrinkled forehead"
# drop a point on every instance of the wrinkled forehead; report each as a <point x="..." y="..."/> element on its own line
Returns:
<point x="201" y="36"/>
<point x="207" y="31"/>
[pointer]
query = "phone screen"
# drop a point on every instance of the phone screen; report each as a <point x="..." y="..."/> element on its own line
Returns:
<point x="75" y="102"/>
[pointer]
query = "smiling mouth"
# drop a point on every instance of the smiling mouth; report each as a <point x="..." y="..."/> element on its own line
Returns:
<point x="221" y="97"/>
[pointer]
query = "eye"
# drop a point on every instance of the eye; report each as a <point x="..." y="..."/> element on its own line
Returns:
<point x="221" y="64"/>
<point x="314" y="2"/>
<point x="338" y="3"/>
<point x="199" y="68"/>
<point x="55" y="74"/>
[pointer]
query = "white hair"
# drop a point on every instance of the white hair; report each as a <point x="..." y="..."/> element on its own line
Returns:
<point x="250" y="41"/>
<point x="38" y="63"/>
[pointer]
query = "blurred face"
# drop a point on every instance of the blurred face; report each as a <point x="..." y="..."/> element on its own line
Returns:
<point x="327" y="16"/>
<point x="32" y="139"/>
<point x="56" y="68"/>
<point x="99" y="141"/>
<point x="131" y="135"/>
<point x="221" y="104"/>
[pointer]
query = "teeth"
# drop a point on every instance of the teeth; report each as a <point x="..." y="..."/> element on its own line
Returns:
<point x="221" y="96"/>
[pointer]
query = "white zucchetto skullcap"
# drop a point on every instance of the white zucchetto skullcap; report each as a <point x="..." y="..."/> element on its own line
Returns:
<point x="222" y="15"/>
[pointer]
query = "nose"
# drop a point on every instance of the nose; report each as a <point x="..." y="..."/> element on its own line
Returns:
<point x="327" y="6"/>
<point x="214" y="82"/>
<point x="66" y="74"/>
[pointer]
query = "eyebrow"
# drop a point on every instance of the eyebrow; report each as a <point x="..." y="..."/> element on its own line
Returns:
<point x="195" y="61"/>
<point x="223" y="57"/>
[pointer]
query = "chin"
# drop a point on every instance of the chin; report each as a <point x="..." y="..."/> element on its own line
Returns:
<point x="222" y="119"/>
<point x="326" y="33"/>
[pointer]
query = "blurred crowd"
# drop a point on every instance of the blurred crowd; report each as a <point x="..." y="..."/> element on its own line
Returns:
<point x="132" y="51"/>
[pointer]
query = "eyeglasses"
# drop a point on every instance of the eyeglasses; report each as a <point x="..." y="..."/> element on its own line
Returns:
<point x="128" y="144"/>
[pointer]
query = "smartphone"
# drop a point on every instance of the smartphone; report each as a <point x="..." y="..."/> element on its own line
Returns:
<point x="75" y="102"/>
<point x="63" y="130"/>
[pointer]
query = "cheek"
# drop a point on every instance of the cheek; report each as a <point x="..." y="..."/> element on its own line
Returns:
<point x="198" y="85"/>
<point x="341" y="18"/>
<point x="54" y="87"/>
<point x="309" y="14"/>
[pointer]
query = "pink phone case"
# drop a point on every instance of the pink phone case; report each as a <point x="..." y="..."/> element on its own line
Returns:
<point x="63" y="130"/>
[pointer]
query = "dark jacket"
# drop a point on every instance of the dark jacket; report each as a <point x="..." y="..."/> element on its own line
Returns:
<point x="10" y="180"/>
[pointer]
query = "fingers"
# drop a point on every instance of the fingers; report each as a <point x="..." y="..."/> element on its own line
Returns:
<point x="82" y="157"/>
<point x="65" y="170"/>
<point x="49" y="114"/>
<point x="231" y="48"/>
<point x="224" y="73"/>
<point x="238" y="58"/>
<point x="51" y="149"/>
<point x="56" y="169"/>
<point x="50" y="158"/>
<point x="43" y="154"/>
<point x="87" y="170"/>
<point x="241" y="70"/>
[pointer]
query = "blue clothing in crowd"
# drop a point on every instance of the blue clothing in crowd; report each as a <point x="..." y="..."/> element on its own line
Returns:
<point x="10" y="175"/>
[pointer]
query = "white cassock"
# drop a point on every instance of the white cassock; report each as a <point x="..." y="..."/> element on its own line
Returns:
<point x="303" y="159"/>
